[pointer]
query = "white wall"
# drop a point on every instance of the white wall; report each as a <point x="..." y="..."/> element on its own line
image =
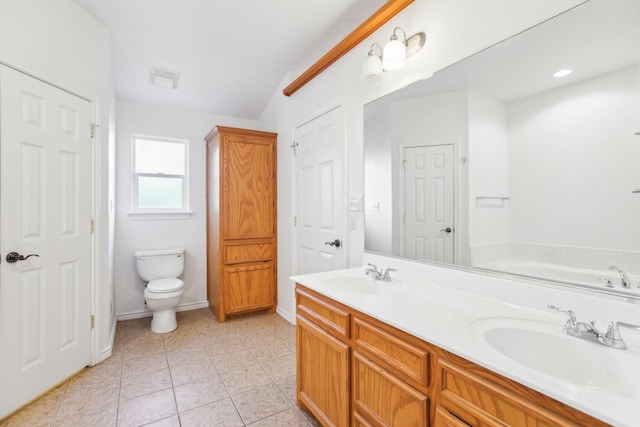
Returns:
<point x="59" y="42"/>
<point x="454" y="30"/>
<point x="134" y="234"/>
<point x="589" y="155"/>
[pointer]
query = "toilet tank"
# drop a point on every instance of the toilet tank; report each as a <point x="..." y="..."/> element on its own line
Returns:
<point x="160" y="264"/>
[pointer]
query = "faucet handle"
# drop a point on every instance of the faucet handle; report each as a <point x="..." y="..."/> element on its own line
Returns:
<point x="371" y="269"/>
<point x="613" y="338"/>
<point x="386" y="276"/>
<point x="571" y="322"/>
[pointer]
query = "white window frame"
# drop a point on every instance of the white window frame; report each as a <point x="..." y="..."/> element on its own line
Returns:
<point x="159" y="213"/>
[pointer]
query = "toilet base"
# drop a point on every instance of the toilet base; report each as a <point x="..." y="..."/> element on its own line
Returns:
<point x="164" y="321"/>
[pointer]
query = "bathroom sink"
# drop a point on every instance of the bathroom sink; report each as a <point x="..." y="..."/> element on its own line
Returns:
<point x="543" y="347"/>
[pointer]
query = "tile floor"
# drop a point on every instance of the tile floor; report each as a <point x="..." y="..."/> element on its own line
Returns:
<point x="205" y="373"/>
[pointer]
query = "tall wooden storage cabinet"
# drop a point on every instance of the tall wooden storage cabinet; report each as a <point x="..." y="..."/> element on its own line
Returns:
<point x="241" y="221"/>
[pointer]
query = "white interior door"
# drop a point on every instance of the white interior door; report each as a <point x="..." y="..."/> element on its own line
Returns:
<point x="45" y="206"/>
<point x="319" y="194"/>
<point x="428" y="203"/>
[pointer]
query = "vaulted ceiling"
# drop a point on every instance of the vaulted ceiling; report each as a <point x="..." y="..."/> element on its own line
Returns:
<point x="231" y="54"/>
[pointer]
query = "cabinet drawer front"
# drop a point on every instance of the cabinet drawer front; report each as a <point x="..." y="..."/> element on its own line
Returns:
<point x="324" y="314"/>
<point x="480" y="402"/>
<point x="445" y="418"/>
<point x="385" y="400"/>
<point x="252" y="252"/>
<point x="248" y="288"/>
<point x="403" y="359"/>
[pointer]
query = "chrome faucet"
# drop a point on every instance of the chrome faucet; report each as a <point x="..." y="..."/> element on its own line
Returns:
<point x="589" y="332"/>
<point x="624" y="279"/>
<point x="373" y="271"/>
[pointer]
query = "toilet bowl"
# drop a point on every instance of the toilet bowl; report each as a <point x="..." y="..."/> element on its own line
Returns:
<point x="160" y="270"/>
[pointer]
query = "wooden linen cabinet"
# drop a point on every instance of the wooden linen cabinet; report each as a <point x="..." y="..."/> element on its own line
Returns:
<point x="241" y="221"/>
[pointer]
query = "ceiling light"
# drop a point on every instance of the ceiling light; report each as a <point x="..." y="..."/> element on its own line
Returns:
<point x="372" y="66"/>
<point x="163" y="78"/>
<point x="561" y="73"/>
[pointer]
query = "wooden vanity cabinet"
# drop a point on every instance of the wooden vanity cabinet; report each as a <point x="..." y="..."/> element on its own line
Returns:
<point x="241" y="221"/>
<point x="356" y="370"/>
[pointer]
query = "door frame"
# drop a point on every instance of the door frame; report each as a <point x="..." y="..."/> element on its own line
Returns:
<point x="402" y="186"/>
<point x="96" y="180"/>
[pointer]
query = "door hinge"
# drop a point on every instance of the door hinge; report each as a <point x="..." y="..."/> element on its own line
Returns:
<point x="295" y="221"/>
<point x="93" y="129"/>
<point x="92" y="226"/>
<point x="93" y="321"/>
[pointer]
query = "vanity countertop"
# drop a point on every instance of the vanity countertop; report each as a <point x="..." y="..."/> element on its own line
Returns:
<point x="448" y="308"/>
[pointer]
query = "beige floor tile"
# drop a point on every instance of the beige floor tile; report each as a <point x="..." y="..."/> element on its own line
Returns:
<point x="182" y="342"/>
<point x="266" y="351"/>
<point x="222" y="344"/>
<point x="187" y="355"/>
<point x="190" y="372"/>
<point x="280" y="367"/>
<point x="235" y="360"/>
<point x="40" y="412"/>
<point x="288" y="386"/>
<point x="104" y="417"/>
<point x="218" y="414"/>
<point x="239" y="380"/>
<point x="289" y="417"/>
<point x="88" y="398"/>
<point x="146" y="409"/>
<point x="261" y="402"/>
<point x="198" y="393"/>
<point x="172" y="421"/>
<point x="134" y="350"/>
<point x="144" y="364"/>
<point x="254" y="338"/>
<point x="146" y="383"/>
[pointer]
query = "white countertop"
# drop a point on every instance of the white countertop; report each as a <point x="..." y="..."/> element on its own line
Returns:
<point x="443" y="306"/>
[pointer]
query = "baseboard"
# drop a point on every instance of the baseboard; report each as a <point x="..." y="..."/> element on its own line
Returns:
<point x="147" y="313"/>
<point x="291" y="318"/>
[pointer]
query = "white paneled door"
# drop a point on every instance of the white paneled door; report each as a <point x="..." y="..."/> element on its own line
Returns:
<point x="320" y="223"/>
<point x="45" y="206"/>
<point x="428" y="203"/>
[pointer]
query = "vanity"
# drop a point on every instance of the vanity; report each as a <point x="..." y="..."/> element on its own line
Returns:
<point x="457" y="349"/>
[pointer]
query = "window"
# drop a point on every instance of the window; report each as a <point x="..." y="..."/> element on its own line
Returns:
<point x="160" y="175"/>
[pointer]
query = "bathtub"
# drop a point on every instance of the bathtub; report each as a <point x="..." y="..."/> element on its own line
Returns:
<point x="583" y="277"/>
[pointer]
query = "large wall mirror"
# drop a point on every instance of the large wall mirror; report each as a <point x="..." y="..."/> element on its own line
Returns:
<point x="495" y="164"/>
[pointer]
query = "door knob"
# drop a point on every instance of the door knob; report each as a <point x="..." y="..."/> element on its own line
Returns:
<point x="15" y="257"/>
<point x="447" y="230"/>
<point x="335" y="243"/>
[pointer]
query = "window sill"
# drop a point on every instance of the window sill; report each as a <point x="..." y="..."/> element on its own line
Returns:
<point x="160" y="215"/>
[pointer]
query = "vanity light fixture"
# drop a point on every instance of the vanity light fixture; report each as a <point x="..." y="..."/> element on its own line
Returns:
<point x="393" y="56"/>
<point x="562" y="73"/>
<point x="372" y="66"/>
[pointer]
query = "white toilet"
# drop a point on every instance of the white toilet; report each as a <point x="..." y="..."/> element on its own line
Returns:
<point x="160" y="270"/>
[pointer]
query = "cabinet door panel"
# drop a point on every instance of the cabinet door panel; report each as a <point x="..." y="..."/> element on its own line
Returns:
<point x="249" y="187"/>
<point x="385" y="399"/>
<point x="248" y="287"/>
<point x="323" y="374"/>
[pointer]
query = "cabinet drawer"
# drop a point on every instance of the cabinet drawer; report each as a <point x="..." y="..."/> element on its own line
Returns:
<point x="236" y="253"/>
<point x="323" y="313"/>
<point x="384" y="346"/>
<point x="381" y="399"/>
<point x="480" y="402"/>
<point x="445" y="418"/>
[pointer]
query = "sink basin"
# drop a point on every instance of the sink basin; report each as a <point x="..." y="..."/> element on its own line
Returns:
<point x="543" y="347"/>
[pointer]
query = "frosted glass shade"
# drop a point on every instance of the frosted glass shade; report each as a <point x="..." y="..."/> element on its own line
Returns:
<point x="394" y="55"/>
<point x="372" y="68"/>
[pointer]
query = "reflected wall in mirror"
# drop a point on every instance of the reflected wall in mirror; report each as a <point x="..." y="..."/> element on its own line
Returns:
<point x="493" y="163"/>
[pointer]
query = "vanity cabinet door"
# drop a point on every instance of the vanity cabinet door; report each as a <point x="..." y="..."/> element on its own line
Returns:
<point x="383" y="399"/>
<point x="323" y="374"/>
<point x="248" y="287"/>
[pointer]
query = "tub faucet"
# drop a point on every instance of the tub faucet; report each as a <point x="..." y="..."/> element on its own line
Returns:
<point x="624" y="279"/>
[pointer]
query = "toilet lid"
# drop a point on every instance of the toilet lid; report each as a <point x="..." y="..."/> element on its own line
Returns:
<point x="165" y="285"/>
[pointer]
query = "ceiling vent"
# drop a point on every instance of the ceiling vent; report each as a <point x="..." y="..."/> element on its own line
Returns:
<point x="164" y="78"/>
